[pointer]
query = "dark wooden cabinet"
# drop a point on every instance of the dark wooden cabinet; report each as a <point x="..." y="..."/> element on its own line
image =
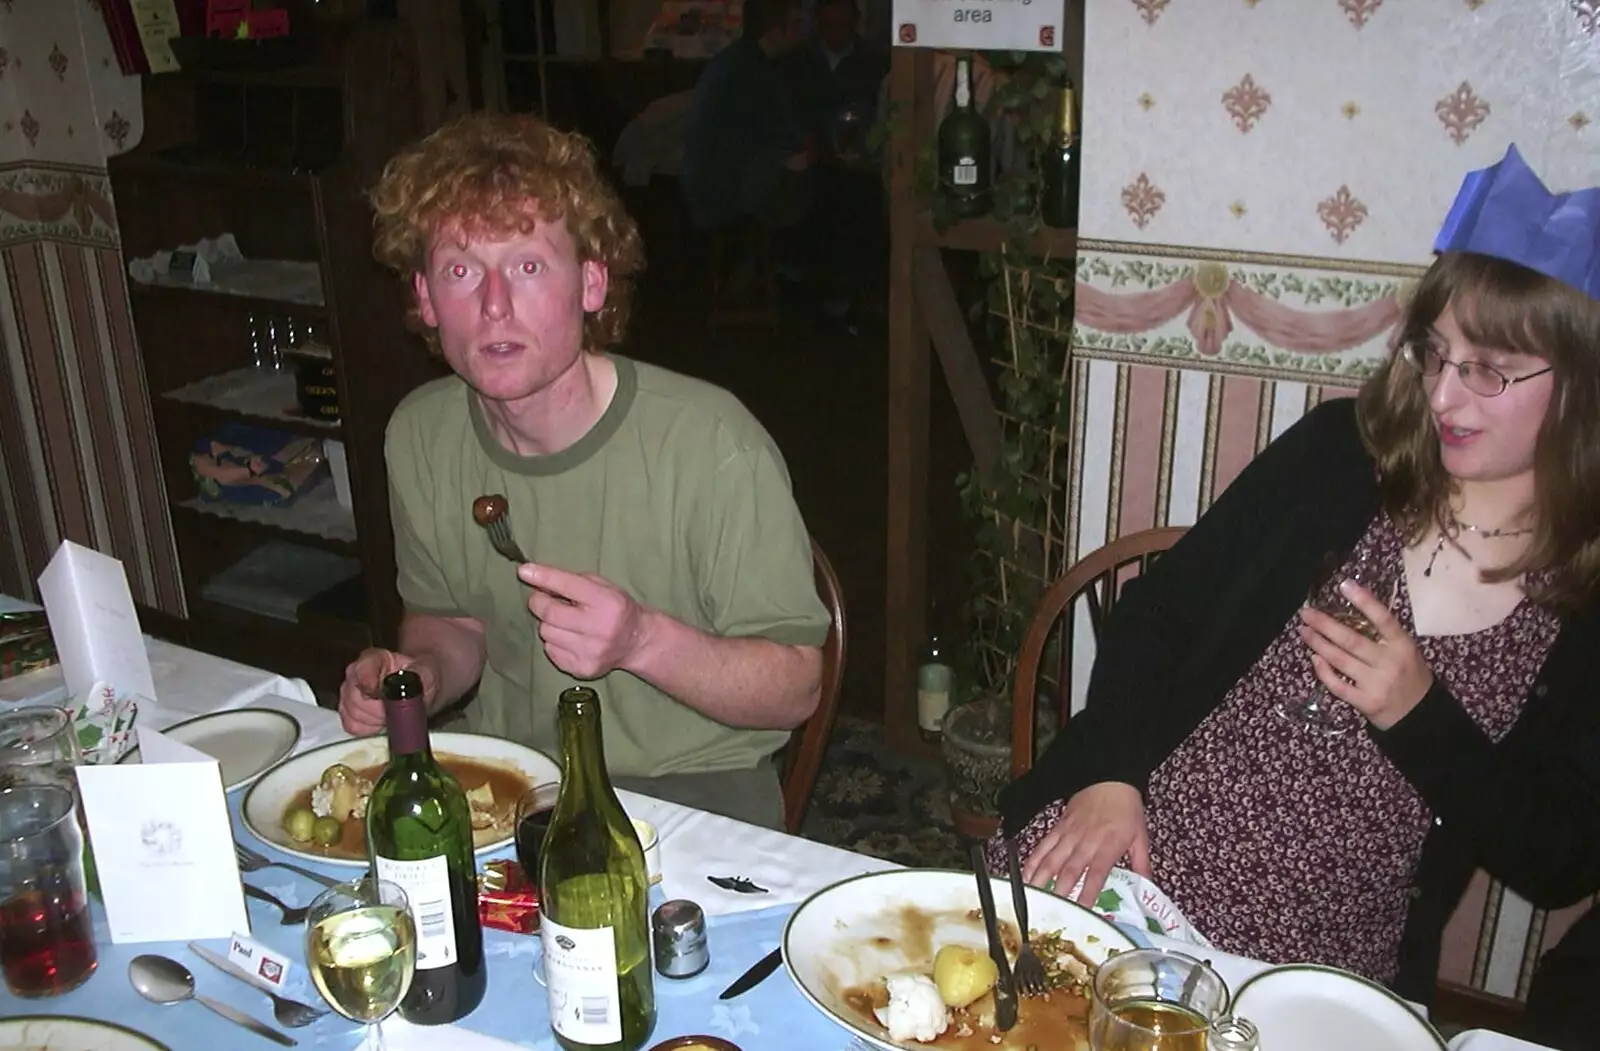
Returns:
<point x="281" y="160"/>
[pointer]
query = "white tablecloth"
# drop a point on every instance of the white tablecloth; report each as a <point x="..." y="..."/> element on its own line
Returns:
<point x="694" y="843"/>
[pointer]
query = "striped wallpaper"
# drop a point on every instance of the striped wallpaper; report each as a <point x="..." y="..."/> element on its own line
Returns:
<point x="77" y="441"/>
<point x="1154" y="446"/>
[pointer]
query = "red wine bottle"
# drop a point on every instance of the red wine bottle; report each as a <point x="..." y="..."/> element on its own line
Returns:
<point x="419" y="836"/>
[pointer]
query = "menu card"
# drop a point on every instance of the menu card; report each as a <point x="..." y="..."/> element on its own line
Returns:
<point x="94" y="624"/>
<point x="163" y="845"/>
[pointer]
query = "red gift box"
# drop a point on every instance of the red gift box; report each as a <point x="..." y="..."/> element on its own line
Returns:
<point x="507" y="899"/>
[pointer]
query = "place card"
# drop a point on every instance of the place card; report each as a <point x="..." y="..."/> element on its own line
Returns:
<point x="163" y="844"/>
<point x="259" y="961"/>
<point x="93" y="622"/>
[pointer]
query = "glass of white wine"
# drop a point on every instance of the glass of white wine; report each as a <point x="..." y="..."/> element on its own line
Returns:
<point x="361" y="950"/>
<point x="1155" y="1000"/>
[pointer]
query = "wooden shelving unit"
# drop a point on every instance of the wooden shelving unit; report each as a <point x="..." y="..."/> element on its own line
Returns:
<point x="281" y="160"/>
<point x="926" y="324"/>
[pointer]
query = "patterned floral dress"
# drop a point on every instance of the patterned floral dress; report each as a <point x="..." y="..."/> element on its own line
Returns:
<point x="1287" y="845"/>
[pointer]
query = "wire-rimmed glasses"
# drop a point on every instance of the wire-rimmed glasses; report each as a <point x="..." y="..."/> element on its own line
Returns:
<point x="1479" y="378"/>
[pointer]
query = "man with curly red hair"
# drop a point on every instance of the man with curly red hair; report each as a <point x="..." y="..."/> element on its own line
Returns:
<point x="670" y="565"/>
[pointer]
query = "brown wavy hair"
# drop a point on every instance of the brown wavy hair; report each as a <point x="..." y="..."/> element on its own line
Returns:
<point x="1506" y="306"/>
<point x="495" y="174"/>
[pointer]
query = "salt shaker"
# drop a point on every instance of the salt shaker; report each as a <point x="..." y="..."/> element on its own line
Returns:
<point x="678" y="933"/>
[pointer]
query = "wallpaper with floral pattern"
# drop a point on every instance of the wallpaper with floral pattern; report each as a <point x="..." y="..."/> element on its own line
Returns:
<point x="1312" y="135"/>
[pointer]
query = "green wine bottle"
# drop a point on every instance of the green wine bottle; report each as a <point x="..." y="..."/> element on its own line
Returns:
<point x="1058" y="164"/>
<point x="593" y="899"/>
<point x="966" y="177"/>
<point x="419" y="836"/>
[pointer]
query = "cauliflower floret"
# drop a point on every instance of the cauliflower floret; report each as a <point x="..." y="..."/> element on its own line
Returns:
<point x="915" y="1011"/>
<point x="322" y="800"/>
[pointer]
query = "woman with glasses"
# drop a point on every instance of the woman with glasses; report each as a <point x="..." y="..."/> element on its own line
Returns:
<point x="1465" y="716"/>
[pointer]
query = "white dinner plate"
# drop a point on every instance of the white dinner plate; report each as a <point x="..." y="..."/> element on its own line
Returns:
<point x="244" y="741"/>
<point x="61" y="1033"/>
<point x="265" y="802"/>
<point x="1304" y="1007"/>
<point x="855" y="932"/>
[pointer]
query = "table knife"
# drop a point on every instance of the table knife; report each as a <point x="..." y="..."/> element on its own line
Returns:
<point x="1005" y="985"/>
<point x="755" y="975"/>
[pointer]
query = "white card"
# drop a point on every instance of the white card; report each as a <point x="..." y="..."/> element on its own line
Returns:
<point x="163" y="844"/>
<point x="93" y="622"/>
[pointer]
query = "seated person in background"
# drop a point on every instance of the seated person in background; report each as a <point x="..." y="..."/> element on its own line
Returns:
<point x="1560" y="1006"/>
<point x="670" y="565"/>
<point x="745" y="154"/>
<point x="1464" y="732"/>
<point x="837" y="71"/>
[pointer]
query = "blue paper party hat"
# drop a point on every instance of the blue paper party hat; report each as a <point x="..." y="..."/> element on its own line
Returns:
<point x="1505" y="211"/>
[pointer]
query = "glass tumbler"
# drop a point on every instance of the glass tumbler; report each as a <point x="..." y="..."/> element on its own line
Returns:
<point x="46" y="936"/>
<point x="1155" y="1000"/>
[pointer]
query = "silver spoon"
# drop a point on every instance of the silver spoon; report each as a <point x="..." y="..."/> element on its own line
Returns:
<point x="163" y="980"/>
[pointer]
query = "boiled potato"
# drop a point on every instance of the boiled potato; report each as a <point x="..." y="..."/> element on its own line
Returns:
<point x="963" y="974"/>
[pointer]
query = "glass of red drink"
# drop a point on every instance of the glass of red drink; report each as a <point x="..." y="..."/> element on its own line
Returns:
<point x="533" y="818"/>
<point x="46" y="938"/>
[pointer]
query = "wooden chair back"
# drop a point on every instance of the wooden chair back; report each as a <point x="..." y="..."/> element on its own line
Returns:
<point x="802" y="756"/>
<point x="1097" y="579"/>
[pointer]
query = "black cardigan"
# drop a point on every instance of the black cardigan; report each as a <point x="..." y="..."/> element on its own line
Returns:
<point x="1526" y="809"/>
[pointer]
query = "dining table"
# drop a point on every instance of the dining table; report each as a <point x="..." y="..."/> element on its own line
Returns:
<point x="695" y="845"/>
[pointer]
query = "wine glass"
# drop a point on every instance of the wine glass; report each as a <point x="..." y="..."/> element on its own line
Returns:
<point x="1320" y="710"/>
<point x="532" y="820"/>
<point x="361" y="950"/>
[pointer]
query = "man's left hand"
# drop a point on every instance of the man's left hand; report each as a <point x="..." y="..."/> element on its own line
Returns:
<point x="1382" y="678"/>
<point x="588" y="625"/>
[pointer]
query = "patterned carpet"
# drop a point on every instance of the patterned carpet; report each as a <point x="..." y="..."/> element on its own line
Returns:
<point x="878" y="802"/>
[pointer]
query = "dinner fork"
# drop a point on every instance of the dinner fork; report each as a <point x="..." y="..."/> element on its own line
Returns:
<point x="1027" y="969"/>
<point x="291" y="1014"/>
<point x="252" y="861"/>
<point x="292" y="914"/>
<point x="499" y="529"/>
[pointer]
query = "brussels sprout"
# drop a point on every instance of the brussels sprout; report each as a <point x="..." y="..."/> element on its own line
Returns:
<point x="300" y="823"/>
<point x="328" y="830"/>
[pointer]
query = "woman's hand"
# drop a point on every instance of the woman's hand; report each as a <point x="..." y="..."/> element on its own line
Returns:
<point x="1101" y="823"/>
<point x="1382" y="678"/>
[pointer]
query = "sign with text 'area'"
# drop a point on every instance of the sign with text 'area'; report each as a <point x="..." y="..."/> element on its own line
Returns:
<point x="979" y="25"/>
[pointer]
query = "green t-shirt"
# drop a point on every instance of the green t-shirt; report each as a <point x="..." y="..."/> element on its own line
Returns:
<point x="677" y="495"/>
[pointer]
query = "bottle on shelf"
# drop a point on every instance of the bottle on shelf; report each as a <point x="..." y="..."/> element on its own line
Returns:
<point x="935" y="678"/>
<point x="1059" y="163"/>
<point x="594" y="899"/>
<point x="966" y="174"/>
<point x="419" y="837"/>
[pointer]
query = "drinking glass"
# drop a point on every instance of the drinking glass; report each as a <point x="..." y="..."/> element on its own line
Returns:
<point x="1155" y="1000"/>
<point x="38" y="745"/>
<point x="361" y="950"/>
<point x="1320" y="710"/>
<point x="532" y="820"/>
<point x="46" y="937"/>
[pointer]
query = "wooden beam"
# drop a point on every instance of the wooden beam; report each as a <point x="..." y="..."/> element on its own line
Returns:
<point x="988" y="235"/>
<point x="906" y="575"/>
<point x="963" y="371"/>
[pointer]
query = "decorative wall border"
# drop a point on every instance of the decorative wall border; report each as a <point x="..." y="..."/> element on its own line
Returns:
<point x="1275" y="317"/>
<point x="65" y="203"/>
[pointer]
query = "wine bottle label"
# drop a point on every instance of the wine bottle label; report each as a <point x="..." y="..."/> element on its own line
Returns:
<point x="427" y="887"/>
<point x="965" y="172"/>
<point x="580" y="971"/>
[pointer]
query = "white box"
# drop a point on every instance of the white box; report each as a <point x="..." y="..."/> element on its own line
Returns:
<point x="334" y="451"/>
